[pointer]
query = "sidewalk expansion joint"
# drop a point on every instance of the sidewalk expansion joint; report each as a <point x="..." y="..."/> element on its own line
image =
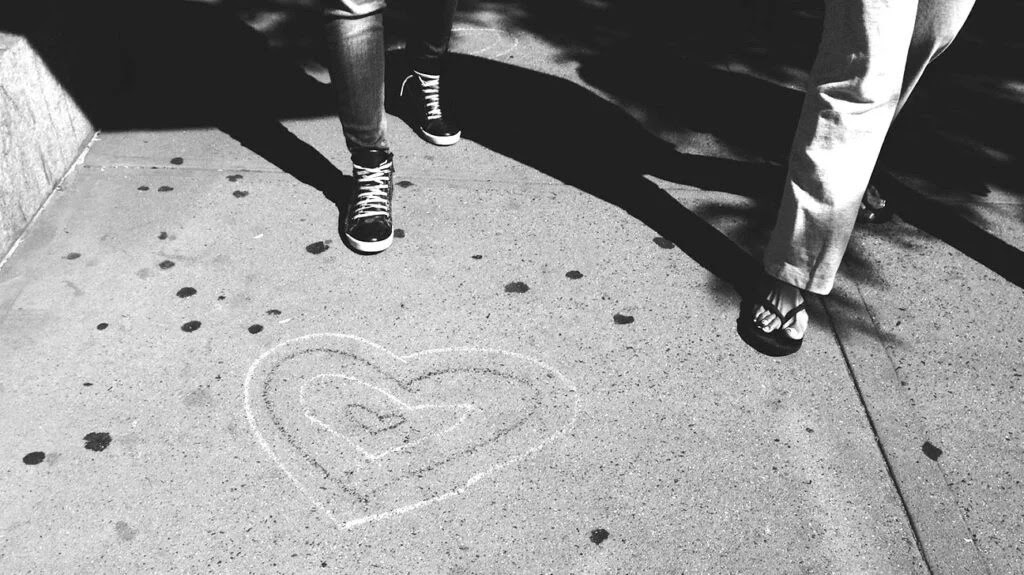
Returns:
<point x="938" y="515"/>
<point x="874" y="431"/>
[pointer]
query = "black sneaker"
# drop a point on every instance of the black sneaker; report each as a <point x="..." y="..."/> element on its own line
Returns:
<point x="368" y="227"/>
<point x="423" y="102"/>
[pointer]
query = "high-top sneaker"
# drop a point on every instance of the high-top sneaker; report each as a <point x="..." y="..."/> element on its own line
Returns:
<point x="421" y="94"/>
<point x="368" y="226"/>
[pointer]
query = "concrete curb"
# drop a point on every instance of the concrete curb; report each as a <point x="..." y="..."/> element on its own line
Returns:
<point x="42" y="133"/>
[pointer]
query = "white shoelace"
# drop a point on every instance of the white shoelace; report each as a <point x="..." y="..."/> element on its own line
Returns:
<point x="431" y="88"/>
<point x="372" y="199"/>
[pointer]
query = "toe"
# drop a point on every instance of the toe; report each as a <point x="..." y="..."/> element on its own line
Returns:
<point x="770" y="325"/>
<point x="798" y="327"/>
<point x="760" y="316"/>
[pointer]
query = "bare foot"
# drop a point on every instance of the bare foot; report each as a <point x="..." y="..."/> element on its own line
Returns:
<point x="784" y="297"/>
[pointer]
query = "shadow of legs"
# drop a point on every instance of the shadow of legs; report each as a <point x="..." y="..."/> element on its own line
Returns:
<point x="946" y="224"/>
<point x="277" y="145"/>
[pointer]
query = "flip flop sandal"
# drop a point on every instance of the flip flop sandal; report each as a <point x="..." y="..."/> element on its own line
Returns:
<point x="774" y="343"/>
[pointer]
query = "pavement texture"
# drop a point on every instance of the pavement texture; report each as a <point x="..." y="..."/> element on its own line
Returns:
<point x="542" y="375"/>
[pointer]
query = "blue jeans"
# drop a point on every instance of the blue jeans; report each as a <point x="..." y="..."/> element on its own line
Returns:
<point x="355" y="40"/>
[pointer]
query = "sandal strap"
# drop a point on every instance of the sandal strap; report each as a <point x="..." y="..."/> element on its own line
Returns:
<point x="791" y="316"/>
<point x="786" y="318"/>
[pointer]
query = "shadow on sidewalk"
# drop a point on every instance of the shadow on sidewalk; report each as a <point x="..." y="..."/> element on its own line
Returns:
<point x="167" y="64"/>
<point x="568" y="132"/>
<point x="957" y="137"/>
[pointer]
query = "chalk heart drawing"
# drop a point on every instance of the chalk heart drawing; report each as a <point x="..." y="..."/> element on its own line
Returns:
<point x="366" y="434"/>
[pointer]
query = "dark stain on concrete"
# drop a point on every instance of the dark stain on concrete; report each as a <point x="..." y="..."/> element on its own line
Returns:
<point x="235" y="177"/>
<point x="166" y="264"/>
<point x="102" y="326"/>
<point x="931" y="451"/>
<point x="162" y="236"/>
<point x="87" y="384"/>
<point x="124" y="531"/>
<point x="72" y="256"/>
<point x="239" y="193"/>
<point x="186" y="292"/>
<point x="144" y="273"/>
<point x="573" y="275"/>
<point x="164" y="189"/>
<point x="623" y="319"/>
<point x="405" y="184"/>
<point x="97" y="440"/>
<point x="222" y="297"/>
<point x="191" y="326"/>
<point x="598" y="536"/>
<point x="516" y="287"/>
<point x="399" y="233"/>
<point x="177" y="161"/>
<point x="255" y="328"/>
<point x="478" y="257"/>
<point x="34" y="458"/>
<point x="316" y="248"/>
<point x="664" y="243"/>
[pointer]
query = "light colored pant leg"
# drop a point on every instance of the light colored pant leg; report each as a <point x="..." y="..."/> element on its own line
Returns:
<point x="872" y="55"/>
<point x="851" y="99"/>
<point x="937" y="25"/>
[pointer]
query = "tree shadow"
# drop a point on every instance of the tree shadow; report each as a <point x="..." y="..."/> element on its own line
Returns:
<point x="586" y="142"/>
<point x="721" y="69"/>
<point x="699" y="68"/>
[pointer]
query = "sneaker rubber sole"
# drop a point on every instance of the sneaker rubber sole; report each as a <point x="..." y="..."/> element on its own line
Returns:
<point x="370" y="247"/>
<point x="439" y="140"/>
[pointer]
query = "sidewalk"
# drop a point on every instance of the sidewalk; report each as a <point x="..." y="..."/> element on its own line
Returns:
<point x="541" y="375"/>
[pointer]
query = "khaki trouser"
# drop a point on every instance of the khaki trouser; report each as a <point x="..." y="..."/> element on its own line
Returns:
<point x="872" y="54"/>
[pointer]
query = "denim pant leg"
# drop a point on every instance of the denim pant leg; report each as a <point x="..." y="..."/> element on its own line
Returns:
<point x="430" y="34"/>
<point x="856" y="86"/>
<point x="355" y="41"/>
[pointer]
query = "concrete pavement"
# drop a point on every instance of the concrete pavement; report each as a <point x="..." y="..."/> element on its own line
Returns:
<point x="541" y="375"/>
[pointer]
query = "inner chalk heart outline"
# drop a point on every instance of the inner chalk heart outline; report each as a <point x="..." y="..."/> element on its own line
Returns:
<point x="464" y="407"/>
<point x="366" y="434"/>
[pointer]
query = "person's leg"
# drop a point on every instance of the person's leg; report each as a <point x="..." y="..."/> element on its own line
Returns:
<point x="427" y="45"/>
<point x="854" y="87"/>
<point x="355" y="40"/>
<point x="937" y="25"/>
<point x="851" y="100"/>
<point x="430" y="34"/>
<point x="356" y="62"/>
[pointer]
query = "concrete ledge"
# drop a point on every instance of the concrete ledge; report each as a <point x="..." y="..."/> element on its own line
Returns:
<point x="42" y="132"/>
